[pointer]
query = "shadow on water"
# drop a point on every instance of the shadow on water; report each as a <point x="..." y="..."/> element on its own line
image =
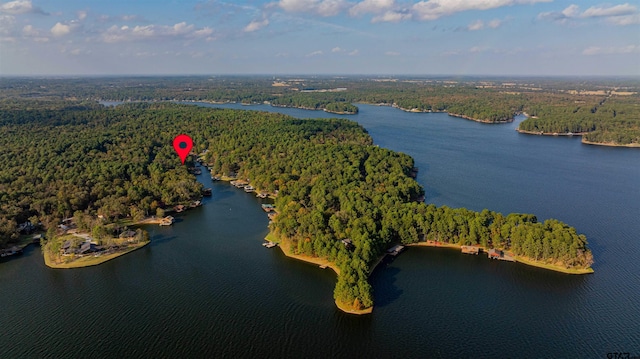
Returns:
<point x="384" y="278"/>
<point x="160" y="240"/>
<point x="430" y="192"/>
<point x="597" y="249"/>
<point x="222" y="194"/>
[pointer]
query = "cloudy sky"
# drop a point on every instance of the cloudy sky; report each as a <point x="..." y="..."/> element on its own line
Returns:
<point x="484" y="37"/>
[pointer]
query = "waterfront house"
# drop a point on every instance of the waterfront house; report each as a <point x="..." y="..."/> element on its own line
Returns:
<point x="127" y="234"/>
<point x="66" y="247"/>
<point x="347" y="243"/>
<point x="85" y="247"/>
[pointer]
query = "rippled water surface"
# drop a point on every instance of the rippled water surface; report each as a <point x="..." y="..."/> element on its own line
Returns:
<point x="207" y="288"/>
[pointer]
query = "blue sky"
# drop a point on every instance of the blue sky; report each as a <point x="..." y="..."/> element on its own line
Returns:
<point x="428" y="37"/>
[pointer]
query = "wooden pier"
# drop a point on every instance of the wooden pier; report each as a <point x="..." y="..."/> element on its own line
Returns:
<point x="500" y="255"/>
<point x="470" y="250"/>
<point x="395" y="250"/>
<point x="269" y="244"/>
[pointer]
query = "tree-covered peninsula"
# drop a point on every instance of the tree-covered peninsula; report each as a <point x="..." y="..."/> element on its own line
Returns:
<point x="78" y="165"/>
<point x="332" y="183"/>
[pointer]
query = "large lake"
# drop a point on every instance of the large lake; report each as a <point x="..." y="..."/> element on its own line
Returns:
<point x="207" y="288"/>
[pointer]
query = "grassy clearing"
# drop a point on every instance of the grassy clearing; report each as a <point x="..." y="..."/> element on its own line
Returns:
<point x="553" y="267"/>
<point x="90" y="260"/>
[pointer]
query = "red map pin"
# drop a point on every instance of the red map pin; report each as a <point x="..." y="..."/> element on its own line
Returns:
<point x="182" y="144"/>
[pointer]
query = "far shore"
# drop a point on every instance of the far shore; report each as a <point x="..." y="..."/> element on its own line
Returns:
<point x="540" y="133"/>
<point x="417" y="110"/>
<point x="611" y="144"/>
<point x="584" y="141"/>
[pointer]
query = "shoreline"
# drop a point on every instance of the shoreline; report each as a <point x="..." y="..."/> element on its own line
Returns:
<point x="416" y="110"/>
<point x="284" y="247"/>
<point x="92" y="260"/>
<point x="583" y="140"/>
<point x="518" y="259"/>
<point x="89" y="261"/>
<point x="311" y="109"/>
<point x="611" y="144"/>
<point x="555" y="134"/>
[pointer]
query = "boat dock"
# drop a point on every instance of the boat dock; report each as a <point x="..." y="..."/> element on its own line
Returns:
<point x="167" y="221"/>
<point x="10" y="252"/>
<point x="395" y="250"/>
<point x="269" y="244"/>
<point x="500" y="255"/>
<point x="470" y="250"/>
<point x="239" y="184"/>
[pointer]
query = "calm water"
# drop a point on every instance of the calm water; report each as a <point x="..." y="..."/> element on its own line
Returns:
<point x="207" y="288"/>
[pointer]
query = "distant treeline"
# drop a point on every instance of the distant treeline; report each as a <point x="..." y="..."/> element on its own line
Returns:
<point x="332" y="183"/>
<point x="614" y="119"/>
<point x="607" y="110"/>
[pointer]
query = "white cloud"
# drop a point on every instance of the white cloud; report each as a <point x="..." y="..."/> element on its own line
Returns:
<point x="371" y="7"/>
<point x="572" y="10"/>
<point x="594" y="50"/>
<point x="336" y="49"/>
<point x="476" y="25"/>
<point x="314" y="53"/>
<point x="624" y="20"/>
<point x="392" y="53"/>
<point x="7" y="23"/>
<point x="20" y="7"/>
<point x="320" y="7"/>
<point x="155" y="32"/>
<point x="480" y="25"/>
<point x="392" y="16"/>
<point x="354" y="52"/>
<point x="624" y="14"/>
<point x="204" y="32"/>
<point x="256" y="25"/>
<point x="60" y="29"/>
<point x="618" y="10"/>
<point x="494" y="24"/>
<point x="434" y="9"/>
<point x="477" y="49"/>
<point x="82" y="15"/>
<point x="126" y="18"/>
<point x="37" y="35"/>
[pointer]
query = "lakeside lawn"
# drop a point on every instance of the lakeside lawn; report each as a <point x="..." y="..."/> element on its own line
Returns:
<point x="90" y="259"/>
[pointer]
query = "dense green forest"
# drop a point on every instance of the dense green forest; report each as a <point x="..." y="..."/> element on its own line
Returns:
<point x="333" y="183"/>
<point x="61" y="159"/>
<point x="611" y="119"/>
<point x="607" y="110"/>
